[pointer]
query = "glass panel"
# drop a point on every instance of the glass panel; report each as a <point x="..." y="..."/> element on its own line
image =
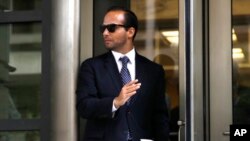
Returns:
<point x="20" y="70"/>
<point x="157" y="39"/>
<point x="18" y="5"/>
<point x="20" y="136"/>
<point x="241" y="61"/>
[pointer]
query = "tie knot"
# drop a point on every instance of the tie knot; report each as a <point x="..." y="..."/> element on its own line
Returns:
<point x="124" y="60"/>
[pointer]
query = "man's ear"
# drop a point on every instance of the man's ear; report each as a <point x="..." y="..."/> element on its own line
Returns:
<point x="131" y="32"/>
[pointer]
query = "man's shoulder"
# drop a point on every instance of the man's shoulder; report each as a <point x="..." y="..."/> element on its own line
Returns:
<point x="148" y="62"/>
<point x="98" y="58"/>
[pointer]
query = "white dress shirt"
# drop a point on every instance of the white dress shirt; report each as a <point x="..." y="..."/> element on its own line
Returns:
<point x="130" y="65"/>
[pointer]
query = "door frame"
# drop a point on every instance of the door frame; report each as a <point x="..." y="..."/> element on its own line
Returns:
<point x="220" y="68"/>
<point x="191" y="70"/>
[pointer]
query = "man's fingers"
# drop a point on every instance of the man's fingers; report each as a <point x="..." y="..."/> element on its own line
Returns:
<point x="133" y="87"/>
<point x="132" y="90"/>
<point x="132" y="82"/>
<point x="131" y="94"/>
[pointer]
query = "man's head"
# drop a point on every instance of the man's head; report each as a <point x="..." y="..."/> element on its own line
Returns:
<point x="130" y="19"/>
<point x="119" y="28"/>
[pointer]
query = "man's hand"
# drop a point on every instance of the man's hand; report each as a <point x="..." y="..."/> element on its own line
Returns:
<point x="126" y="92"/>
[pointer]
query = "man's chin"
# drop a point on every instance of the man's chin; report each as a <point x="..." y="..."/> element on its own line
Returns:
<point x="108" y="47"/>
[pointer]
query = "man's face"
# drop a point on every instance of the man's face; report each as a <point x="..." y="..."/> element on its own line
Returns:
<point x="117" y="38"/>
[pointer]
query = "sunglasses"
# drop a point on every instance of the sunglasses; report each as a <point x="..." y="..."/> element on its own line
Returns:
<point x="110" y="27"/>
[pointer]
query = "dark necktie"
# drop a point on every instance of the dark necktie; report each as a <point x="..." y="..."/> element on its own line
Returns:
<point x="125" y="75"/>
<point x="124" y="71"/>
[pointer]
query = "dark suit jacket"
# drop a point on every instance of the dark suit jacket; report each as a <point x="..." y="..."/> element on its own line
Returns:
<point x="99" y="82"/>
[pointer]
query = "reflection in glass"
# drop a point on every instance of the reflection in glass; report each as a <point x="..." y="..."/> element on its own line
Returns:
<point x="157" y="39"/>
<point x="20" y="70"/>
<point x="241" y="62"/>
<point x="19" y="5"/>
<point x="20" y="136"/>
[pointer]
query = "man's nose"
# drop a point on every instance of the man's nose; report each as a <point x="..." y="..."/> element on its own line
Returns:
<point x="105" y="32"/>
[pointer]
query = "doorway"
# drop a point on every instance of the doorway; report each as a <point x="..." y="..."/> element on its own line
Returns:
<point x="205" y="53"/>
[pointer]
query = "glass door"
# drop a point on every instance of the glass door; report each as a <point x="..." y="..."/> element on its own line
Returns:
<point x="162" y="38"/>
<point x="241" y="61"/>
<point x="229" y="66"/>
<point x="158" y="40"/>
<point x="205" y="50"/>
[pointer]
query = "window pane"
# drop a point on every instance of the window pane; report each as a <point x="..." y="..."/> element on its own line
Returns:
<point x="157" y="39"/>
<point x="18" y="5"/>
<point x="20" y="70"/>
<point x="20" y="136"/>
<point x="241" y="61"/>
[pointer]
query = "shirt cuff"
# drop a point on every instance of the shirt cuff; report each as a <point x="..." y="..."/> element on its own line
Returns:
<point x="113" y="107"/>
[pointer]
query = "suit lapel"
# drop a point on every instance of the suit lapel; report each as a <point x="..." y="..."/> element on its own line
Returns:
<point x="112" y="69"/>
<point x="139" y="74"/>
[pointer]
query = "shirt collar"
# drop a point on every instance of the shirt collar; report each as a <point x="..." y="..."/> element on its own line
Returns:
<point x="130" y="55"/>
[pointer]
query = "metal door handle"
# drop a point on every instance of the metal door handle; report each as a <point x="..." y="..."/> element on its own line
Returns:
<point x="227" y="133"/>
<point x="181" y="124"/>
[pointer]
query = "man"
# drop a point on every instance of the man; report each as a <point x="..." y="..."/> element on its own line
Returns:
<point x="121" y="93"/>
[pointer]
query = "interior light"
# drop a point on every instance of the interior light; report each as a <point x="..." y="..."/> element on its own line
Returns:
<point x="238" y="53"/>
<point x="171" y="36"/>
<point x="237" y="50"/>
<point x="238" y="56"/>
<point x="234" y="37"/>
<point x="173" y="40"/>
<point x="170" y="33"/>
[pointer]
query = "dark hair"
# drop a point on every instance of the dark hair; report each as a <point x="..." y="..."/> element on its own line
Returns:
<point x="130" y="17"/>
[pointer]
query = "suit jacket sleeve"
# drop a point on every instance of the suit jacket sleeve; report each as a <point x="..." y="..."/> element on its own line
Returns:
<point x="89" y="103"/>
